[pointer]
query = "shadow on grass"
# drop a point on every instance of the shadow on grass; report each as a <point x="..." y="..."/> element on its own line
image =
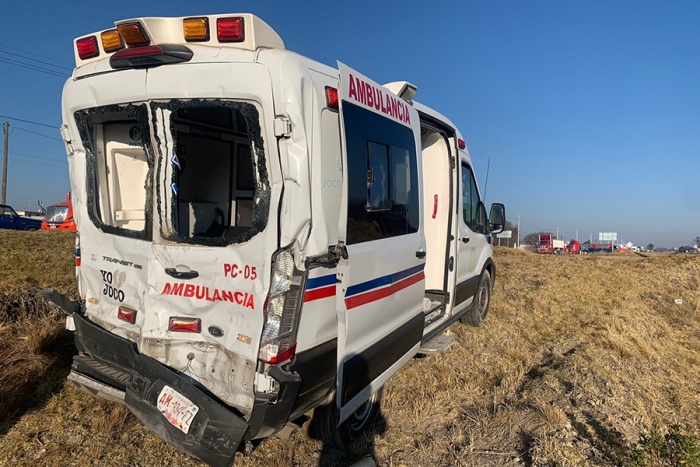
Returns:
<point x="33" y="372"/>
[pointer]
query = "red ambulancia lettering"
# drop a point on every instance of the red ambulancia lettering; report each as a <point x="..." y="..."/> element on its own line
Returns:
<point x="201" y="292"/>
<point x="375" y="97"/>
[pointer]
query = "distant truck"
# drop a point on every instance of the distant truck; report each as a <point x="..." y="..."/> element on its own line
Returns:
<point x="550" y="245"/>
<point x="59" y="216"/>
<point x="9" y="219"/>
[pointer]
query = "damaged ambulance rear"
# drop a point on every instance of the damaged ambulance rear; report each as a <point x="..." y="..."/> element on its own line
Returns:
<point x="189" y="301"/>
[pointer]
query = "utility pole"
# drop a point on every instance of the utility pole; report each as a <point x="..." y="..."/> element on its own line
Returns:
<point x="6" y="130"/>
<point x="577" y="235"/>
<point x="518" y="244"/>
<point x="557" y="233"/>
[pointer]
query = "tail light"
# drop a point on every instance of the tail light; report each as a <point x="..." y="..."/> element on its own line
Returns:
<point x="282" y="310"/>
<point x="179" y="324"/>
<point x="87" y="47"/>
<point x="126" y="314"/>
<point x="230" y="29"/>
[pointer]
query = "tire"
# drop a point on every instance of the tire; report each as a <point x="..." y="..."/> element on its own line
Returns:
<point x="476" y="315"/>
<point x="32" y="229"/>
<point x="355" y="432"/>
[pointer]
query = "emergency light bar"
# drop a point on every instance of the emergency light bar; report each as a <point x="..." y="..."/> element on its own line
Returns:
<point x="240" y="31"/>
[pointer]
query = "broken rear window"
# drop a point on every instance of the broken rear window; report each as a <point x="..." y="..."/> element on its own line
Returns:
<point x="119" y="168"/>
<point x="214" y="178"/>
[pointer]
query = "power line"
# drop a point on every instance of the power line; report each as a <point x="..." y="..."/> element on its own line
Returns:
<point x="32" y="53"/>
<point x="39" y="134"/>
<point x="33" y="68"/>
<point x="29" y="121"/>
<point x="41" y="163"/>
<point x="24" y="154"/>
<point x="35" y="60"/>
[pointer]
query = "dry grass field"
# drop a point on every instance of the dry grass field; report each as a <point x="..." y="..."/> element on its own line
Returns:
<point x="583" y="361"/>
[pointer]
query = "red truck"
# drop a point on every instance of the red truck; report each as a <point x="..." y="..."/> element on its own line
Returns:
<point x="59" y="216"/>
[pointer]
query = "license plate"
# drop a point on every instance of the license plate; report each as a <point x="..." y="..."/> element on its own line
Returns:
<point x="178" y="409"/>
<point x="53" y="226"/>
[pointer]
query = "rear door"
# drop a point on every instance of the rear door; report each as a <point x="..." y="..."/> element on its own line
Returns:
<point x="472" y="245"/>
<point x="381" y="284"/>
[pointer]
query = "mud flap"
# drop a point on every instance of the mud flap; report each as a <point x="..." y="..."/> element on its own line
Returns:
<point x="58" y="300"/>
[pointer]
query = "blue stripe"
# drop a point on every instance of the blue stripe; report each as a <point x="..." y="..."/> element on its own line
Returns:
<point x="382" y="281"/>
<point x="322" y="281"/>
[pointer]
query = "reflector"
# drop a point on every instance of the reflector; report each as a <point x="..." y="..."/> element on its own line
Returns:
<point x="111" y="41"/>
<point x="185" y="324"/>
<point x="196" y="29"/>
<point x="132" y="34"/>
<point x="126" y="314"/>
<point x="462" y="144"/>
<point x="87" y="47"/>
<point x="230" y="29"/>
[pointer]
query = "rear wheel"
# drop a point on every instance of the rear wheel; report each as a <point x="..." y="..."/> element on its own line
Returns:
<point x="32" y="229"/>
<point x="476" y="315"/>
<point x="354" y="433"/>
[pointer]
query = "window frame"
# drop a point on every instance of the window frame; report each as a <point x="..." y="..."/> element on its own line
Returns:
<point x="474" y="203"/>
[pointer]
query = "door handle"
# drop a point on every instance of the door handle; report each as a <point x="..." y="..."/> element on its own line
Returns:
<point x="420" y="254"/>
<point x="181" y="274"/>
<point x="465" y="239"/>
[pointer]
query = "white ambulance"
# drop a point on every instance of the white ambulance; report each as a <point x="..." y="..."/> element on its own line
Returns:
<point x="259" y="234"/>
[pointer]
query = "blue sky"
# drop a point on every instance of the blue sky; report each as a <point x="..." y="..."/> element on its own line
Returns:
<point x="588" y="111"/>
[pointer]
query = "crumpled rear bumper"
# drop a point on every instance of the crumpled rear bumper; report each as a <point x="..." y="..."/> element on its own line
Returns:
<point x="110" y="367"/>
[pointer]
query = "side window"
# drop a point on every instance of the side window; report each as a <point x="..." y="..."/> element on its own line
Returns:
<point x="382" y="177"/>
<point x="470" y="198"/>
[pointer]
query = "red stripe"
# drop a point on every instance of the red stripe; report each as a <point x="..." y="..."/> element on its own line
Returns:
<point x="365" y="298"/>
<point x="77" y="261"/>
<point x="318" y="294"/>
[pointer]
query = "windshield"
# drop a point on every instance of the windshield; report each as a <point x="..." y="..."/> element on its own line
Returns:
<point x="56" y="213"/>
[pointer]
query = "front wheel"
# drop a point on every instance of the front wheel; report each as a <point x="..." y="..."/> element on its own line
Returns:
<point x="352" y="435"/>
<point x="476" y="315"/>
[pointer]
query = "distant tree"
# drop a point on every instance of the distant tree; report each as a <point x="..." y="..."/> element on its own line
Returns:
<point x="533" y="239"/>
<point x="650" y="247"/>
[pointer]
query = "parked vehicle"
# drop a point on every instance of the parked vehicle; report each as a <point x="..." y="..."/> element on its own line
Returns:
<point x="59" y="216"/>
<point x="550" y="245"/>
<point x="9" y="219"/>
<point x="266" y="234"/>
<point x="573" y="248"/>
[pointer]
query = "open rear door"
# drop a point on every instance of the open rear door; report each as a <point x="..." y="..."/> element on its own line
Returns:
<point x="381" y="284"/>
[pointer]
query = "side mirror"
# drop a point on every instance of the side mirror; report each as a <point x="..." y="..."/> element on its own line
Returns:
<point x="497" y="218"/>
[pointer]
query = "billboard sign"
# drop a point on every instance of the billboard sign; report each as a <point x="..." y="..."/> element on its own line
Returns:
<point x="607" y="236"/>
<point x="505" y="234"/>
